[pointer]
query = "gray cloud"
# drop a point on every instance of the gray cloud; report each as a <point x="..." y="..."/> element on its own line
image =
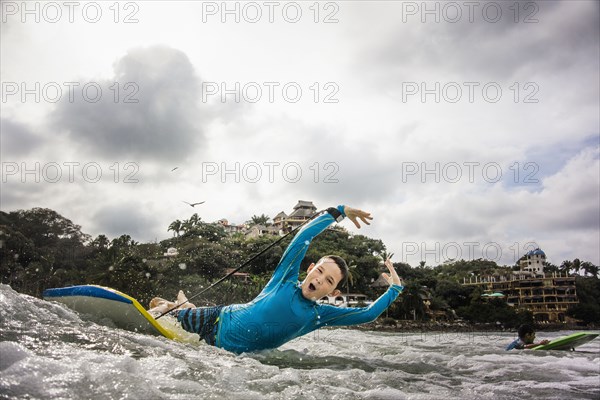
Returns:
<point x="332" y="168"/>
<point x="551" y="161"/>
<point x="367" y="135"/>
<point x="17" y="195"/>
<point x="483" y="50"/>
<point x="166" y="123"/>
<point x="121" y="219"/>
<point x="16" y="139"/>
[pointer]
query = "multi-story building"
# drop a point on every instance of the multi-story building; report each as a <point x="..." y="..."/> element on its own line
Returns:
<point x="547" y="296"/>
<point x="282" y="223"/>
<point x="259" y="230"/>
<point x="230" y="229"/>
<point x="302" y="212"/>
<point x="533" y="261"/>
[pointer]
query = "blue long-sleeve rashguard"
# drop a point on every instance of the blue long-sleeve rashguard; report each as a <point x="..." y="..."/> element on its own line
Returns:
<point x="280" y="313"/>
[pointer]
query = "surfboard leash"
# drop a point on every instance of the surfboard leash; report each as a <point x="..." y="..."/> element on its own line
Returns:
<point x="243" y="265"/>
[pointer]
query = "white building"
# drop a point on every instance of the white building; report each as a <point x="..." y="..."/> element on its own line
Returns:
<point x="171" y="252"/>
<point x="533" y="262"/>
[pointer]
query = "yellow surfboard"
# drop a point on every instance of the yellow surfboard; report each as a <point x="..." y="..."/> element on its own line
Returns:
<point x="123" y="310"/>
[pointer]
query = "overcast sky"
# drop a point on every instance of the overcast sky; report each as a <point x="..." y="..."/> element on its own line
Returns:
<point x="468" y="129"/>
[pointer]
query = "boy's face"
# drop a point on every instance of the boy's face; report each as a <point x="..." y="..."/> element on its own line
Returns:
<point x="529" y="338"/>
<point x="322" y="279"/>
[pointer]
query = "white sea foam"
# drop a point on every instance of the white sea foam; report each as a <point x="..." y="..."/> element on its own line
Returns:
<point x="48" y="351"/>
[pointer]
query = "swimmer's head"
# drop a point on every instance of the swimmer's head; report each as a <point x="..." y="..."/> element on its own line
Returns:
<point x="526" y="333"/>
<point x="324" y="277"/>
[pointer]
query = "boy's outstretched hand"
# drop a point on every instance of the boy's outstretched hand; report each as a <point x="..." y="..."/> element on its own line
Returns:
<point x="394" y="278"/>
<point x="353" y="214"/>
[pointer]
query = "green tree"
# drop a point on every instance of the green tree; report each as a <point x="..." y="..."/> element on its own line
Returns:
<point x="266" y="262"/>
<point x="352" y="277"/>
<point x="550" y="268"/>
<point x="45" y="227"/>
<point x="41" y="242"/>
<point x="259" y="220"/>
<point x="176" y="227"/>
<point x="566" y="266"/>
<point x="101" y="242"/>
<point x="385" y="255"/>
<point x="188" y="226"/>
<point x="493" y="311"/>
<point x="589" y="269"/>
<point x="412" y="305"/>
<point x="453" y="293"/>
<point x="588" y="293"/>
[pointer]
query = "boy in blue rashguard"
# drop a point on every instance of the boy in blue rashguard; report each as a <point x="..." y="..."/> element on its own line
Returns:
<point x="526" y="339"/>
<point x="286" y="308"/>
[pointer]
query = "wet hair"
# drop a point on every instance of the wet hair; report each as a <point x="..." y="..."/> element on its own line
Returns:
<point x="524" y="330"/>
<point x="339" y="261"/>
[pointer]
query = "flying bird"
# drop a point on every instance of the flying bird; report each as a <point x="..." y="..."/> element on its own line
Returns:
<point x="193" y="204"/>
<point x="174" y="169"/>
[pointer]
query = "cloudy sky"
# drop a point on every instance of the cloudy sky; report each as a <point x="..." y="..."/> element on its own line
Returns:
<point x="468" y="129"/>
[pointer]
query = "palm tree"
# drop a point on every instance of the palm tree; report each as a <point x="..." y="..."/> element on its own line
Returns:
<point x="352" y="275"/>
<point x="412" y="297"/>
<point x="576" y="265"/>
<point x="194" y="219"/>
<point x="262" y="220"/>
<point x="175" y="227"/>
<point x="101" y="242"/>
<point x="188" y="225"/>
<point x="566" y="266"/>
<point x="385" y="255"/>
<point x="550" y="268"/>
<point x="590" y="268"/>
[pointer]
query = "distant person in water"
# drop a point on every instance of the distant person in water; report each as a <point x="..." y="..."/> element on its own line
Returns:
<point x="286" y="308"/>
<point x="526" y="339"/>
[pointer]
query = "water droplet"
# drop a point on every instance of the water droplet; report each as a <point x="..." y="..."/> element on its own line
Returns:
<point x="182" y="266"/>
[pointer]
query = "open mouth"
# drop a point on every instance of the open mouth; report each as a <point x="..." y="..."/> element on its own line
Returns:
<point x="311" y="287"/>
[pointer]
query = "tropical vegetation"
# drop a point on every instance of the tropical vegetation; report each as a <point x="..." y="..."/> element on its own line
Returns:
<point x="40" y="249"/>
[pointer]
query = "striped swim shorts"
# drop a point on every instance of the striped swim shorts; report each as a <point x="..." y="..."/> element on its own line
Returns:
<point x="201" y="320"/>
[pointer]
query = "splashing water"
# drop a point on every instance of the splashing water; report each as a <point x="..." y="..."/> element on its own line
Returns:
<point x="48" y="351"/>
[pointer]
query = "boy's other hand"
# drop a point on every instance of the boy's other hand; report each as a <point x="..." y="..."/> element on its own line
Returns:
<point x="353" y="214"/>
<point x="394" y="278"/>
